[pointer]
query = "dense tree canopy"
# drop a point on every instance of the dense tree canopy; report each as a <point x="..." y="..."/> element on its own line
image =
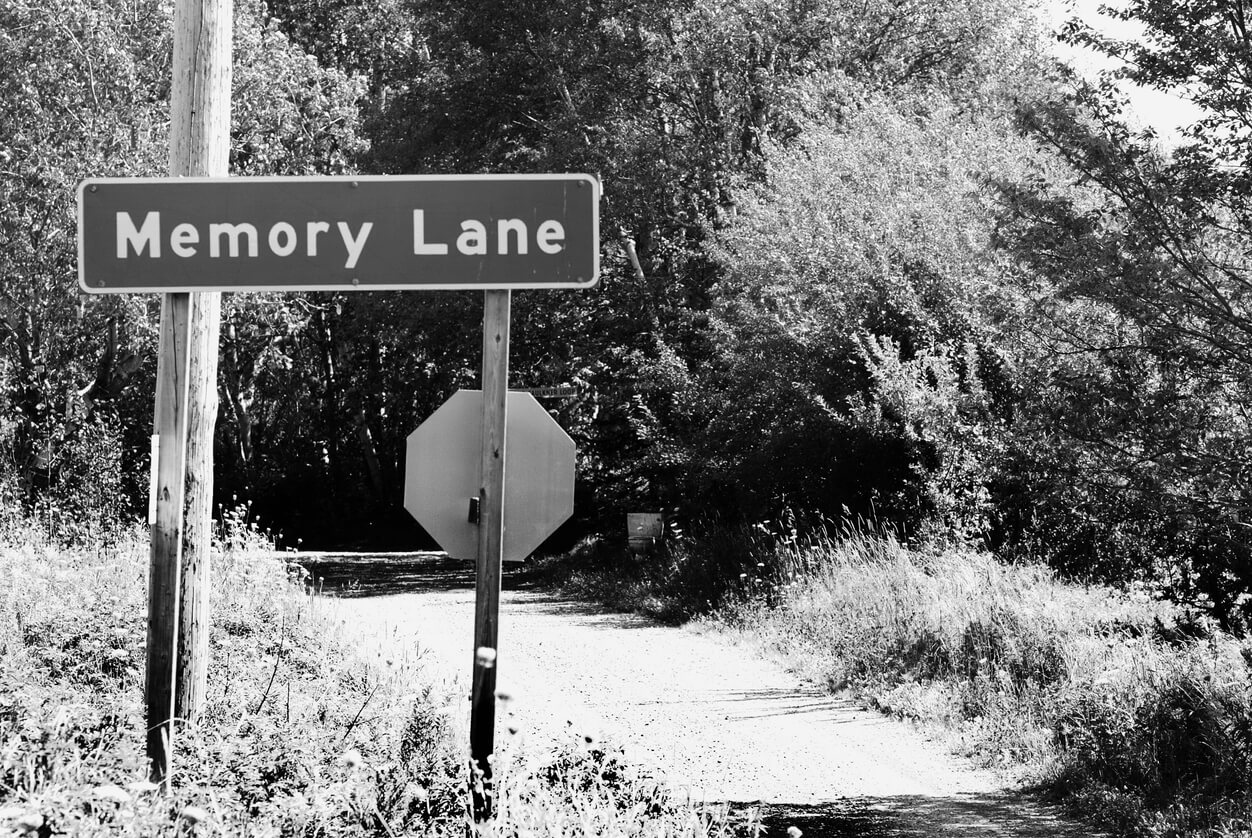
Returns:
<point x="875" y="259"/>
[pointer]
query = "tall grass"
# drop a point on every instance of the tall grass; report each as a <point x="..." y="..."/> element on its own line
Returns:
<point x="1135" y="708"/>
<point x="302" y="735"/>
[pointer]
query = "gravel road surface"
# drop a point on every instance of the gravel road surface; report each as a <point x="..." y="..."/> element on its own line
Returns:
<point x="715" y="717"/>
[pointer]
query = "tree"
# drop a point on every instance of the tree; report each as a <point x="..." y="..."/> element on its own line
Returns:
<point x="82" y="94"/>
<point x="673" y="106"/>
<point x="1145" y="296"/>
<point x="864" y="322"/>
<point x="85" y="93"/>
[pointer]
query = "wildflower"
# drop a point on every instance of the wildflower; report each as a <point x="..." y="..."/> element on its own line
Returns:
<point x="111" y="792"/>
<point x="794" y="832"/>
<point x="486" y="657"/>
<point x="194" y="814"/>
<point x="27" y="824"/>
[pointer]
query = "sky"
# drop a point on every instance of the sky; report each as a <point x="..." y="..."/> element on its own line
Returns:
<point x="1162" y="111"/>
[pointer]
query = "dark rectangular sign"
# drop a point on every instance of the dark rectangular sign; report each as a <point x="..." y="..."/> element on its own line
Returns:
<point x="338" y="233"/>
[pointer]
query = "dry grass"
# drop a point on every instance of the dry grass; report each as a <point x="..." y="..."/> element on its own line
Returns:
<point x="1131" y="706"/>
<point x="1135" y="710"/>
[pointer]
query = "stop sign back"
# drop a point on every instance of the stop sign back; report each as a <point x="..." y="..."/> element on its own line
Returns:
<point x="443" y="471"/>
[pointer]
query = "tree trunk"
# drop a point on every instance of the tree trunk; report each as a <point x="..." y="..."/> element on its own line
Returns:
<point x="330" y="393"/>
<point x="370" y="452"/>
<point x="239" y="397"/>
<point x="199" y="147"/>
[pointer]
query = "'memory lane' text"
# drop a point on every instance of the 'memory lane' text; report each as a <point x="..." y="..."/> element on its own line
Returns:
<point x="243" y="240"/>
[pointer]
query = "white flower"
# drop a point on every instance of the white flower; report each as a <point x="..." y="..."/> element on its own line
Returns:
<point x="194" y="814"/>
<point x="27" y="824"/>
<point x="111" y="792"/>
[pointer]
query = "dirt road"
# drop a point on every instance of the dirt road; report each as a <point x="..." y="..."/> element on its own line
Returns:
<point x="715" y="717"/>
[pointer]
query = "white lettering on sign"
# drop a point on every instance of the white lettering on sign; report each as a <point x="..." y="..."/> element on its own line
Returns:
<point x="518" y="226"/>
<point x="473" y="238"/>
<point x="473" y="241"/>
<point x="148" y="236"/>
<point x="182" y="239"/>
<point x="281" y="238"/>
<point x="354" y="245"/>
<point x="288" y="234"/>
<point x="420" y="247"/>
<point x="550" y="233"/>
<point x="315" y="227"/>
<point x="234" y="240"/>
<point x="234" y="231"/>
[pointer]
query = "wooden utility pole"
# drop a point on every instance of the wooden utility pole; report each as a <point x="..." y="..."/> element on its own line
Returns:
<point x="167" y="531"/>
<point x="186" y="405"/>
<point x="490" y="544"/>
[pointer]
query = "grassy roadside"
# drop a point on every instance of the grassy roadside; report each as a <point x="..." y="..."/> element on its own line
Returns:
<point x="302" y="735"/>
<point x="1136" y="711"/>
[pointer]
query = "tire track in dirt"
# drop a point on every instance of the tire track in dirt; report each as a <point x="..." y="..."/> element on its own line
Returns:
<point x="717" y="719"/>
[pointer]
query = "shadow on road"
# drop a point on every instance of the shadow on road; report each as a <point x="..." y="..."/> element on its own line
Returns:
<point x="915" y="816"/>
<point x="379" y="574"/>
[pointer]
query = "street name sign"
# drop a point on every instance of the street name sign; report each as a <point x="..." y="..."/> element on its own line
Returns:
<point x="368" y="233"/>
<point x="443" y="472"/>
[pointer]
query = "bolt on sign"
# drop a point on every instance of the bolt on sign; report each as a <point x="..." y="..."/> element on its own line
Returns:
<point x="418" y="232"/>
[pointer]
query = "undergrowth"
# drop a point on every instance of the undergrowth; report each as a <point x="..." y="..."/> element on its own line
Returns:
<point x="1135" y="710"/>
<point x="302" y="735"/>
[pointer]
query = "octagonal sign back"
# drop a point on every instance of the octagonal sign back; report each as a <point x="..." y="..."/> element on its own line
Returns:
<point x="443" y="471"/>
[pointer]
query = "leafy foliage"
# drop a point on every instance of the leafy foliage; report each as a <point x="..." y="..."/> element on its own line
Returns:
<point x="1136" y="437"/>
